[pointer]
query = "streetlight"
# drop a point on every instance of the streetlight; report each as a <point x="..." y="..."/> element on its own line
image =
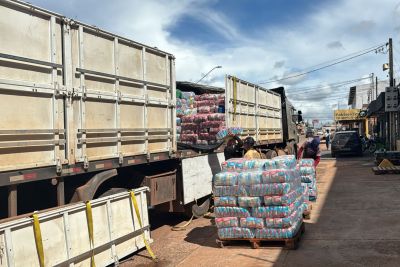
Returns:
<point x="216" y="67"/>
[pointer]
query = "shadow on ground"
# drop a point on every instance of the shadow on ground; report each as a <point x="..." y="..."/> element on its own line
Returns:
<point x="355" y="220"/>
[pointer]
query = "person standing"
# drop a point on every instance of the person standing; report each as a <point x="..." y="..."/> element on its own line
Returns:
<point x="250" y="151"/>
<point x="327" y="139"/>
<point x="310" y="149"/>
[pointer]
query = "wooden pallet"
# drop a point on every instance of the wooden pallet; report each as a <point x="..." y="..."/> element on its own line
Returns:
<point x="307" y="213"/>
<point x="287" y="243"/>
<point x="386" y="170"/>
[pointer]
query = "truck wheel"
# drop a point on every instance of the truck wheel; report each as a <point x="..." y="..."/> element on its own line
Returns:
<point x="112" y="191"/>
<point x="271" y="154"/>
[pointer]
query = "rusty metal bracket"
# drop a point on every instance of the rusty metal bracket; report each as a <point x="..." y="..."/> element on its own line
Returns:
<point x="58" y="167"/>
<point x="86" y="163"/>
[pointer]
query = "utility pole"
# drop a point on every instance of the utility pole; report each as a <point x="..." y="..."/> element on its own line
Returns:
<point x="390" y="115"/>
<point x="376" y="87"/>
<point x="371" y="89"/>
<point x="391" y="63"/>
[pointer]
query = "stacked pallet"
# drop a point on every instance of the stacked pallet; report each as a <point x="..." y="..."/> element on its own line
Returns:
<point x="201" y="118"/>
<point x="308" y="177"/>
<point x="258" y="199"/>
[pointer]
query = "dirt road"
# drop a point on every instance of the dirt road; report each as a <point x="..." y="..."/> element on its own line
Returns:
<point x="355" y="222"/>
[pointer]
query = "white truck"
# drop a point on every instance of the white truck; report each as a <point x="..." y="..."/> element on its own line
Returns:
<point x="87" y="113"/>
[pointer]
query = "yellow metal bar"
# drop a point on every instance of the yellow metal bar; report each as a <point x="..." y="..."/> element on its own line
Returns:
<point x="89" y="218"/>
<point x="38" y="239"/>
<point x="135" y="205"/>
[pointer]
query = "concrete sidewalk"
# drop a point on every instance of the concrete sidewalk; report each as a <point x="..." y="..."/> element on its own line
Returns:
<point x="355" y="222"/>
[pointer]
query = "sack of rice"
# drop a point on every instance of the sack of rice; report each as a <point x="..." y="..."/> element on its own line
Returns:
<point x="249" y="202"/>
<point x="225" y="201"/>
<point x="285" y="162"/>
<point x="235" y="232"/>
<point x="231" y="212"/>
<point x="226" y="178"/>
<point x="227" y="222"/>
<point x="252" y="222"/>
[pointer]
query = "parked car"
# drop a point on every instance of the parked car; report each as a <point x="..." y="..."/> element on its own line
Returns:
<point x="347" y="142"/>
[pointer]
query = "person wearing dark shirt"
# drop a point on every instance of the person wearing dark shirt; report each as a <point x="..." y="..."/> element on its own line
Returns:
<point x="310" y="149"/>
<point x="234" y="148"/>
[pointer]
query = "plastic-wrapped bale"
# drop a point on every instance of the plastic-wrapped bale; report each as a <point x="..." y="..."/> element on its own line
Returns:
<point x="235" y="232"/>
<point x="225" y="201"/>
<point x="274" y="189"/>
<point x="188" y="95"/>
<point x="249" y="202"/>
<point x="178" y="129"/>
<point x="255" y="164"/>
<point x="312" y="191"/>
<point x="206" y="110"/>
<point x="307" y="171"/>
<point x="307" y="178"/>
<point x="178" y="121"/>
<point x="216" y="117"/>
<point x="306" y="163"/>
<point x="190" y="111"/>
<point x="280" y="176"/>
<point x="285" y="162"/>
<point x="252" y="222"/>
<point x="227" y="222"/>
<point x="233" y="190"/>
<point x="250" y="178"/>
<point x="284" y="200"/>
<point x="221" y="212"/>
<point x="277" y="211"/>
<point x="226" y="178"/>
<point x="235" y="130"/>
<point x="305" y="190"/>
<point x="230" y="165"/>
<point x="265" y="164"/>
<point x="279" y="233"/>
<point x="192" y="138"/>
<point x="188" y="119"/>
<point x="285" y="222"/>
<point x="224" y="132"/>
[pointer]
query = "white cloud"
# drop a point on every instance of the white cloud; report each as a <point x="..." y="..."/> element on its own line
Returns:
<point x="348" y="26"/>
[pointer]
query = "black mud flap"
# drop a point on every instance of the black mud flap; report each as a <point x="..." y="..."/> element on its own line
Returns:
<point x="199" y="210"/>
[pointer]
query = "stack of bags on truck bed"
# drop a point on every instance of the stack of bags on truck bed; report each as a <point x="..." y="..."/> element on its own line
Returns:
<point x="308" y="177"/>
<point x="258" y="198"/>
<point x="201" y="117"/>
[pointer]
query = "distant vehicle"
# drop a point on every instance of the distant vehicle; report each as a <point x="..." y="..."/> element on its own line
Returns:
<point x="347" y="142"/>
<point x="320" y="132"/>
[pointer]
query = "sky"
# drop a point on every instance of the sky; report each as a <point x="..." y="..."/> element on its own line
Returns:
<point x="257" y="41"/>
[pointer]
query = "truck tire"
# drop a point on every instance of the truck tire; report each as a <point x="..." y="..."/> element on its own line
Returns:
<point x="271" y="154"/>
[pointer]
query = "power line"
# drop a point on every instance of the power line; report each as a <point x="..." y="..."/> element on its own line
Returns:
<point x="335" y="62"/>
<point x="334" y="84"/>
